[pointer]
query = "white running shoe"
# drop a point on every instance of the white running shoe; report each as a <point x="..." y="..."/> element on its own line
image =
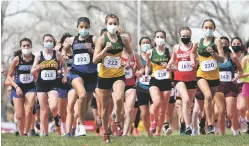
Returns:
<point x="194" y="133"/>
<point x="236" y="133"/>
<point x="82" y="130"/>
<point x="168" y="132"/>
<point x="243" y="125"/>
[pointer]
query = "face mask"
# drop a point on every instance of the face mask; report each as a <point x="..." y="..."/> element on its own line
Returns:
<point x="185" y="40"/>
<point x="226" y="49"/>
<point x="49" y="45"/>
<point x="145" y="47"/>
<point x="84" y="32"/>
<point x="26" y="51"/>
<point x="159" y="41"/>
<point x="208" y="32"/>
<point x="112" y="28"/>
<point x="236" y="49"/>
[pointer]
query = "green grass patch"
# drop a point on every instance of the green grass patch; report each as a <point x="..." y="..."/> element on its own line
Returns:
<point x="174" y="140"/>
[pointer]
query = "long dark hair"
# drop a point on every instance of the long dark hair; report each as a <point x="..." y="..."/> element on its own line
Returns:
<point x="19" y="51"/>
<point x="63" y="38"/>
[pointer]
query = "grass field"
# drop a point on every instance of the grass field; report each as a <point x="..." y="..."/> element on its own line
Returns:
<point x="174" y="140"/>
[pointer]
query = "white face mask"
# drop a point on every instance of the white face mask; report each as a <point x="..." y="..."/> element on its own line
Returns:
<point x="160" y="41"/>
<point x="112" y="28"/>
<point x="26" y="51"/>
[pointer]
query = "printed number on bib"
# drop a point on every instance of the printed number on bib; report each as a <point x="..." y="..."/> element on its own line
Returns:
<point x="185" y="66"/>
<point x="161" y="74"/>
<point x="112" y="62"/>
<point x="209" y="65"/>
<point x="26" y="78"/>
<point x="48" y="75"/>
<point x="128" y="73"/>
<point x="82" y="59"/>
<point x="145" y="80"/>
<point x="225" y="76"/>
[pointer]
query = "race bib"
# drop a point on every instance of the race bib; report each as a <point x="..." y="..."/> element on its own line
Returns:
<point x="128" y="73"/>
<point x="185" y="66"/>
<point x="161" y="74"/>
<point x="225" y="76"/>
<point x="48" y="75"/>
<point x="209" y="65"/>
<point x="112" y="62"/>
<point x="26" y="78"/>
<point x="145" y="80"/>
<point x="82" y="59"/>
<point x="238" y="81"/>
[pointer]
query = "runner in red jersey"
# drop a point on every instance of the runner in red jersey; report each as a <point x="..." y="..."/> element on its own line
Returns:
<point x="132" y="70"/>
<point x="185" y="74"/>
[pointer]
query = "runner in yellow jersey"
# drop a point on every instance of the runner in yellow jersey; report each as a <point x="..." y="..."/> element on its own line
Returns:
<point x="209" y="51"/>
<point x="109" y="48"/>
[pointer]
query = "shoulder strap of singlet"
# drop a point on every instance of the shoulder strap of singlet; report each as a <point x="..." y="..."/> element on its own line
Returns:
<point x="54" y="55"/>
<point x="106" y="39"/>
<point x="41" y="56"/>
<point x="167" y="52"/>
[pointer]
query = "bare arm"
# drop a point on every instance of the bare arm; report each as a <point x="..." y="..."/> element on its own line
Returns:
<point x="172" y="62"/>
<point x="193" y="53"/>
<point x="61" y="60"/>
<point x="98" y="52"/>
<point x="67" y="46"/>
<point x="220" y="55"/>
<point x="139" y="64"/>
<point x="11" y="72"/>
<point x="36" y="67"/>
<point x="147" y="67"/>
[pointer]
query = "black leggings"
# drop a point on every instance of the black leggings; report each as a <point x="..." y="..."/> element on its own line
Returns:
<point x="137" y="119"/>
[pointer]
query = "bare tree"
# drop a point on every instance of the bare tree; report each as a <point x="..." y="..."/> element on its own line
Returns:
<point x="223" y="14"/>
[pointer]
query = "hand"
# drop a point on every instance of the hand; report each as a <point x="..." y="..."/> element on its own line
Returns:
<point x="19" y="92"/>
<point x="64" y="80"/>
<point x="108" y="46"/>
<point x="192" y="64"/>
<point x="164" y="64"/>
<point x="65" y="57"/>
<point x="234" y="80"/>
<point x="210" y="50"/>
<point x="138" y="74"/>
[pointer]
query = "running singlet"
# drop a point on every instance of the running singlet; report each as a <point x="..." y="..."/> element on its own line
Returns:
<point x="184" y="70"/>
<point x="111" y="65"/>
<point x="49" y="72"/>
<point x="246" y="70"/>
<point x="82" y="58"/>
<point x="130" y="73"/>
<point x="226" y="70"/>
<point x="159" y="72"/>
<point x="22" y="72"/>
<point x="208" y="66"/>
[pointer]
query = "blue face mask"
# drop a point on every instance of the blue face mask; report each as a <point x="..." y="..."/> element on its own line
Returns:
<point x="208" y="32"/>
<point x="145" y="47"/>
<point x="83" y="32"/>
<point x="48" y="45"/>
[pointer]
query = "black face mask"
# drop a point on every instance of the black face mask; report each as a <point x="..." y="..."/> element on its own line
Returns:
<point x="185" y="40"/>
<point x="226" y="49"/>
<point x="236" y="49"/>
